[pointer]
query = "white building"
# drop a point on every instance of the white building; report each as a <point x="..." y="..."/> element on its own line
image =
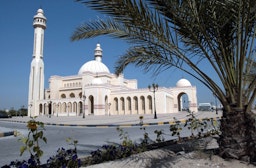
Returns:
<point x="96" y="91"/>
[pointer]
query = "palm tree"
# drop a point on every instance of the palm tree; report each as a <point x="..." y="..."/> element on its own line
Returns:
<point x="186" y="34"/>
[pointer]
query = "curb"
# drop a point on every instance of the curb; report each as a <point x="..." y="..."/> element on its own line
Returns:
<point x="121" y="125"/>
<point x="4" y="134"/>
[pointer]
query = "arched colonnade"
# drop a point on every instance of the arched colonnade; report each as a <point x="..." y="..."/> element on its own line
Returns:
<point x="118" y="106"/>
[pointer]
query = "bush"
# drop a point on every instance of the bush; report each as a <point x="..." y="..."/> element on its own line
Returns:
<point x="64" y="158"/>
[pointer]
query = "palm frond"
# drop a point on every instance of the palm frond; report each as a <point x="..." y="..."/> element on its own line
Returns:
<point x="100" y="27"/>
<point x="181" y="33"/>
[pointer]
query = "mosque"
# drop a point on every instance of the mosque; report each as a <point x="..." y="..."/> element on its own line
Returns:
<point x="94" y="90"/>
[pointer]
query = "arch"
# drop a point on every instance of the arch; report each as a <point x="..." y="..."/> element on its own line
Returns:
<point x="58" y="108"/>
<point x="122" y="105"/>
<point x="142" y="102"/>
<point x="69" y="107"/>
<point x="40" y="109"/>
<point x="107" y="106"/>
<point x="116" y="105"/>
<point x="45" y="109"/>
<point x="136" y="107"/>
<point x="80" y="95"/>
<point x="75" y="108"/>
<point x="54" y="108"/>
<point x="150" y="105"/>
<point x="80" y="104"/>
<point x="129" y="104"/>
<point x="63" y="107"/>
<point x="50" y="108"/>
<point x="183" y="101"/>
<point x="91" y="105"/>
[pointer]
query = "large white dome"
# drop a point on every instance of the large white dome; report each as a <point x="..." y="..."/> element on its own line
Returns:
<point x="95" y="66"/>
<point x="183" y="83"/>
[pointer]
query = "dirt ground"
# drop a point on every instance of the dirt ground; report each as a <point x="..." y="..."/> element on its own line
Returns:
<point x="198" y="159"/>
<point x="177" y="156"/>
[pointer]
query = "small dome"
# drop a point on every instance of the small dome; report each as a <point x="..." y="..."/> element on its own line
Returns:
<point x="40" y="14"/>
<point x="40" y="11"/>
<point x="94" y="67"/>
<point x="183" y="83"/>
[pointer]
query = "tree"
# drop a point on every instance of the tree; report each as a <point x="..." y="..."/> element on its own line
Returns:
<point x="187" y="34"/>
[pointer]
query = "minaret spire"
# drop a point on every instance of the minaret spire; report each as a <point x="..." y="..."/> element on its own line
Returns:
<point x="36" y="78"/>
<point x="98" y="53"/>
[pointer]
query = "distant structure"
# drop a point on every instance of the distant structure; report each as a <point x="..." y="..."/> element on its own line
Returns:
<point x="96" y="91"/>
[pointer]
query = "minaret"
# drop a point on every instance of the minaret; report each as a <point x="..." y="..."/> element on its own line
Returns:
<point x="36" y="78"/>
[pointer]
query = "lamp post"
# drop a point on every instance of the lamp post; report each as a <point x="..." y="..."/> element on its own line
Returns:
<point x="84" y="98"/>
<point x="153" y="89"/>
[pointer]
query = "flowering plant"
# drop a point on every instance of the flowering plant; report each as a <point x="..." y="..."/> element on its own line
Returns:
<point x="31" y="142"/>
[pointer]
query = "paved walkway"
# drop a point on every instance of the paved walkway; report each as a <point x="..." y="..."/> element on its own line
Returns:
<point x="108" y="121"/>
<point x="114" y="120"/>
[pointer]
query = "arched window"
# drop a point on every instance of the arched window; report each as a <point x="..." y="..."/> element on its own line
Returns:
<point x="122" y="103"/>
<point x="142" y="99"/>
<point x="149" y="102"/>
<point x="63" y="107"/>
<point x="80" y="94"/>
<point x="63" y="96"/>
<point x="135" y="102"/>
<point x="116" y="103"/>
<point x="72" y="95"/>
<point x="91" y="105"/>
<point x="129" y="103"/>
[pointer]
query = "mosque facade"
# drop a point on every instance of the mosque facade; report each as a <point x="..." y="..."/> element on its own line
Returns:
<point x="97" y="91"/>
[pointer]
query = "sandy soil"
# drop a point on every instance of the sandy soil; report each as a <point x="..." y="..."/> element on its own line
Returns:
<point x="168" y="157"/>
<point x="201" y="160"/>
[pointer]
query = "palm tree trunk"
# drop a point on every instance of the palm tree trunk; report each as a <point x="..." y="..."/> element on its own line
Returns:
<point x="238" y="136"/>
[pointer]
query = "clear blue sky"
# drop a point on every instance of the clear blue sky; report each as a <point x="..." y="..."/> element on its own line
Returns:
<point x="61" y="56"/>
